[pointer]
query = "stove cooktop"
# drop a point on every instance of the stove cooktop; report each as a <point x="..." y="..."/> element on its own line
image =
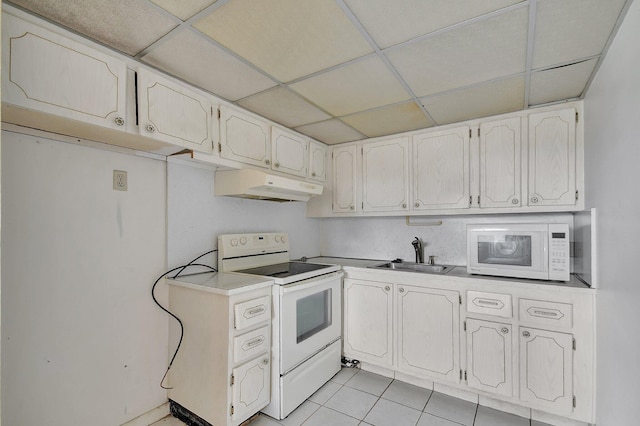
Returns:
<point x="283" y="270"/>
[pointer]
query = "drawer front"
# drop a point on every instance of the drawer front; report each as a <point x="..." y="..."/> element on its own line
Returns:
<point x="252" y="312"/>
<point x="251" y="344"/>
<point x="546" y="313"/>
<point x="489" y="303"/>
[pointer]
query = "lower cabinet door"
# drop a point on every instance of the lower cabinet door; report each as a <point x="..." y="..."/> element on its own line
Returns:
<point x="428" y="332"/>
<point x="546" y="369"/>
<point x="368" y="321"/>
<point x="489" y="357"/>
<point x="251" y="387"/>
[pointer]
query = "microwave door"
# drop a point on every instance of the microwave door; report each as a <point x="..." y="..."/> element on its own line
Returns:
<point x="505" y="250"/>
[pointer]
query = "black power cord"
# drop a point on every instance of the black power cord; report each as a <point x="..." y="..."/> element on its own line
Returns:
<point x="180" y="269"/>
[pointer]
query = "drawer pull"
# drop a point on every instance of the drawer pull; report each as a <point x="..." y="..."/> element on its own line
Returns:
<point x="252" y="312"/>
<point x="545" y="313"/>
<point x="488" y="303"/>
<point x="254" y="342"/>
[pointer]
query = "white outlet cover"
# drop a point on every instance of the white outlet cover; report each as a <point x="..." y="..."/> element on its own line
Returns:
<point x="119" y="180"/>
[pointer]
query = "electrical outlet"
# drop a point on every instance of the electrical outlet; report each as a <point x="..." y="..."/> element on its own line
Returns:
<point x="119" y="180"/>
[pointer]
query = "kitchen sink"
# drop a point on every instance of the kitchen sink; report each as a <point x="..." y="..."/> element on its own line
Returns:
<point x="415" y="267"/>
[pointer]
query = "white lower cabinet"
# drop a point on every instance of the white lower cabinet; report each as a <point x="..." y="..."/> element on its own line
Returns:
<point x="428" y="332"/>
<point x="526" y="344"/>
<point x="222" y="372"/>
<point x="368" y="321"/>
<point x="546" y="369"/>
<point x="489" y="356"/>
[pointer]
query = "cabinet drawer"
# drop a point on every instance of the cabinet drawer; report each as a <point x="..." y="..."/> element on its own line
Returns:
<point x="495" y="304"/>
<point x="252" y="312"/>
<point x="251" y="344"/>
<point x="546" y="313"/>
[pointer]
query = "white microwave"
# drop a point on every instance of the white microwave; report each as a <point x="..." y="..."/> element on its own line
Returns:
<point x="539" y="251"/>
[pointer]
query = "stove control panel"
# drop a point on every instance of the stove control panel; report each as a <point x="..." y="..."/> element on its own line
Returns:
<point x="237" y="245"/>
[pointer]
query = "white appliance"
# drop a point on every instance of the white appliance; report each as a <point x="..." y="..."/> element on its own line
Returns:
<point x="539" y="251"/>
<point x="306" y="319"/>
<point x="248" y="183"/>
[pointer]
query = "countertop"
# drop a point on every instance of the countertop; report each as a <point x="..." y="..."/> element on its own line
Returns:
<point x="345" y="261"/>
<point x="226" y="284"/>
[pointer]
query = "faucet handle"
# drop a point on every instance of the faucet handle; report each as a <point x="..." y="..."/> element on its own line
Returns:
<point x="432" y="260"/>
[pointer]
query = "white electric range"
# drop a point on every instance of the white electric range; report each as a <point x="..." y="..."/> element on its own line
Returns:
<point x="306" y="319"/>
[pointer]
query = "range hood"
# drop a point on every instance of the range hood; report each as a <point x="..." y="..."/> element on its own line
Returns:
<point x="256" y="184"/>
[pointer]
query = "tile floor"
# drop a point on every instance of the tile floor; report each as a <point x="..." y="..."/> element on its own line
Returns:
<point x="356" y="397"/>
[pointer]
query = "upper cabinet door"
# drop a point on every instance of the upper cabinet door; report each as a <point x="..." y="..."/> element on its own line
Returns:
<point x="552" y="158"/>
<point x="317" y="161"/>
<point x="441" y="169"/>
<point x="344" y="179"/>
<point x="173" y="113"/>
<point x="49" y="73"/>
<point x="500" y="163"/>
<point x="385" y="175"/>
<point x="288" y="152"/>
<point x="244" y="138"/>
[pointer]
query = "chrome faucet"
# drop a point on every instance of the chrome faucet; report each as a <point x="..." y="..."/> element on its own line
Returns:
<point x="417" y="246"/>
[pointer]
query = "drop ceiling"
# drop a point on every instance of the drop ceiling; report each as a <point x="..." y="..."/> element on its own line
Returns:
<point x="344" y="70"/>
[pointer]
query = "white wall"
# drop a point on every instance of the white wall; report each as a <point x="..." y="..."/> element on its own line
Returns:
<point x="612" y="156"/>
<point x="83" y="342"/>
<point x="196" y="217"/>
<point x="390" y="237"/>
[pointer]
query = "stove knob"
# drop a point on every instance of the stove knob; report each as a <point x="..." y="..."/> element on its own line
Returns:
<point x="283" y="238"/>
<point x="243" y="240"/>
<point x="277" y="238"/>
<point x="234" y="242"/>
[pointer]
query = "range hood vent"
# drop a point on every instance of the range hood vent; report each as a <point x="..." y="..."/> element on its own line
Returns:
<point x="256" y="184"/>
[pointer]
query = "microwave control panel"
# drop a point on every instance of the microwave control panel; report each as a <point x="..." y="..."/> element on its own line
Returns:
<point x="559" y="264"/>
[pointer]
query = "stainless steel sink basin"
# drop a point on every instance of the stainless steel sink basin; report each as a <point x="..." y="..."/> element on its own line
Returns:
<point x="415" y="267"/>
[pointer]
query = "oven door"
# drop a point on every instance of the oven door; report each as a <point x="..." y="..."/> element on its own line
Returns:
<point x="310" y="318"/>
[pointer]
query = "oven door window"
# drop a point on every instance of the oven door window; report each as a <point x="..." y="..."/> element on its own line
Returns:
<point x="511" y="250"/>
<point x="313" y="314"/>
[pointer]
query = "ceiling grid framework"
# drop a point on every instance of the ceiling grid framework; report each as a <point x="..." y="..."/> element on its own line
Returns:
<point x="344" y="70"/>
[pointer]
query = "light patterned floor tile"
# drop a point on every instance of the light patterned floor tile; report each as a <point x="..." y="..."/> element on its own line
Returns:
<point x="365" y="381"/>
<point x="389" y="413"/>
<point x="323" y="394"/>
<point x="300" y="414"/>
<point x="430" y="420"/>
<point x="344" y="375"/>
<point x="327" y="417"/>
<point x="168" y="421"/>
<point x="451" y="408"/>
<point x="489" y="417"/>
<point x="263" y="420"/>
<point x="352" y="402"/>
<point x="406" y="394"/>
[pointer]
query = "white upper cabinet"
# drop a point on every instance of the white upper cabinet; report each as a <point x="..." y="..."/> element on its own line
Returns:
<point x="244" y="138"/>
<point x="441" y="169"/>
<point x="172" y="113"/>
<point x="500" y="163"/>
<point x="46" y="72"/>
<point x="344" y="179"/>
<point x="385" y="175"/>
<point x="317" y="161"/>
<point x="552" y="158"/>
<point x="288" y="152"/>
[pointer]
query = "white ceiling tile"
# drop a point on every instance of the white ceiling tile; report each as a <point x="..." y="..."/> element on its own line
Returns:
<point x="283" y="106"/>
<point x="479" y="101"/>
<point x="388" y="120"/>
<point x="127" y="26"/>
<point x="190" y="56"/>
<point x="392" y="22"/>
<point x="330" y="132"/>
<point x="560" y="83"/>
<point x="183" y="9"/>
<point x="572" y="29"/>
<point x="489" y="49"/>
<point x="286" y="38"/>
<point x="355" y="87"/>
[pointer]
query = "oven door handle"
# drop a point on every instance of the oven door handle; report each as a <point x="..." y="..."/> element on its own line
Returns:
<point x="311" y="282"/>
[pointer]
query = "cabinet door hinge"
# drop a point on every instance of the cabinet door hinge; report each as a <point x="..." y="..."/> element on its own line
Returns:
<point x="460" y="299"/>
<point x="464" y="325"/>
<point x="220" y="147"/>
<point x="470" y="134"/>
<point x="576" y="195"/>
<point x="232" y="409"/>
<point x="573" y="344"/>
<point x="219" y="114"/>
<point x="478" y="131"/>
<point x="574" y="401"/>
<point x="465" y="375"/>
<point x="362" y="205"/>
<point x="470" y="200"/>
<point x="478" y="200"/>
<point x="232" y="381"/>
<point x="576" y="116"/>
<point x="460" y="374"/>
<point x="362" y="150"/>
